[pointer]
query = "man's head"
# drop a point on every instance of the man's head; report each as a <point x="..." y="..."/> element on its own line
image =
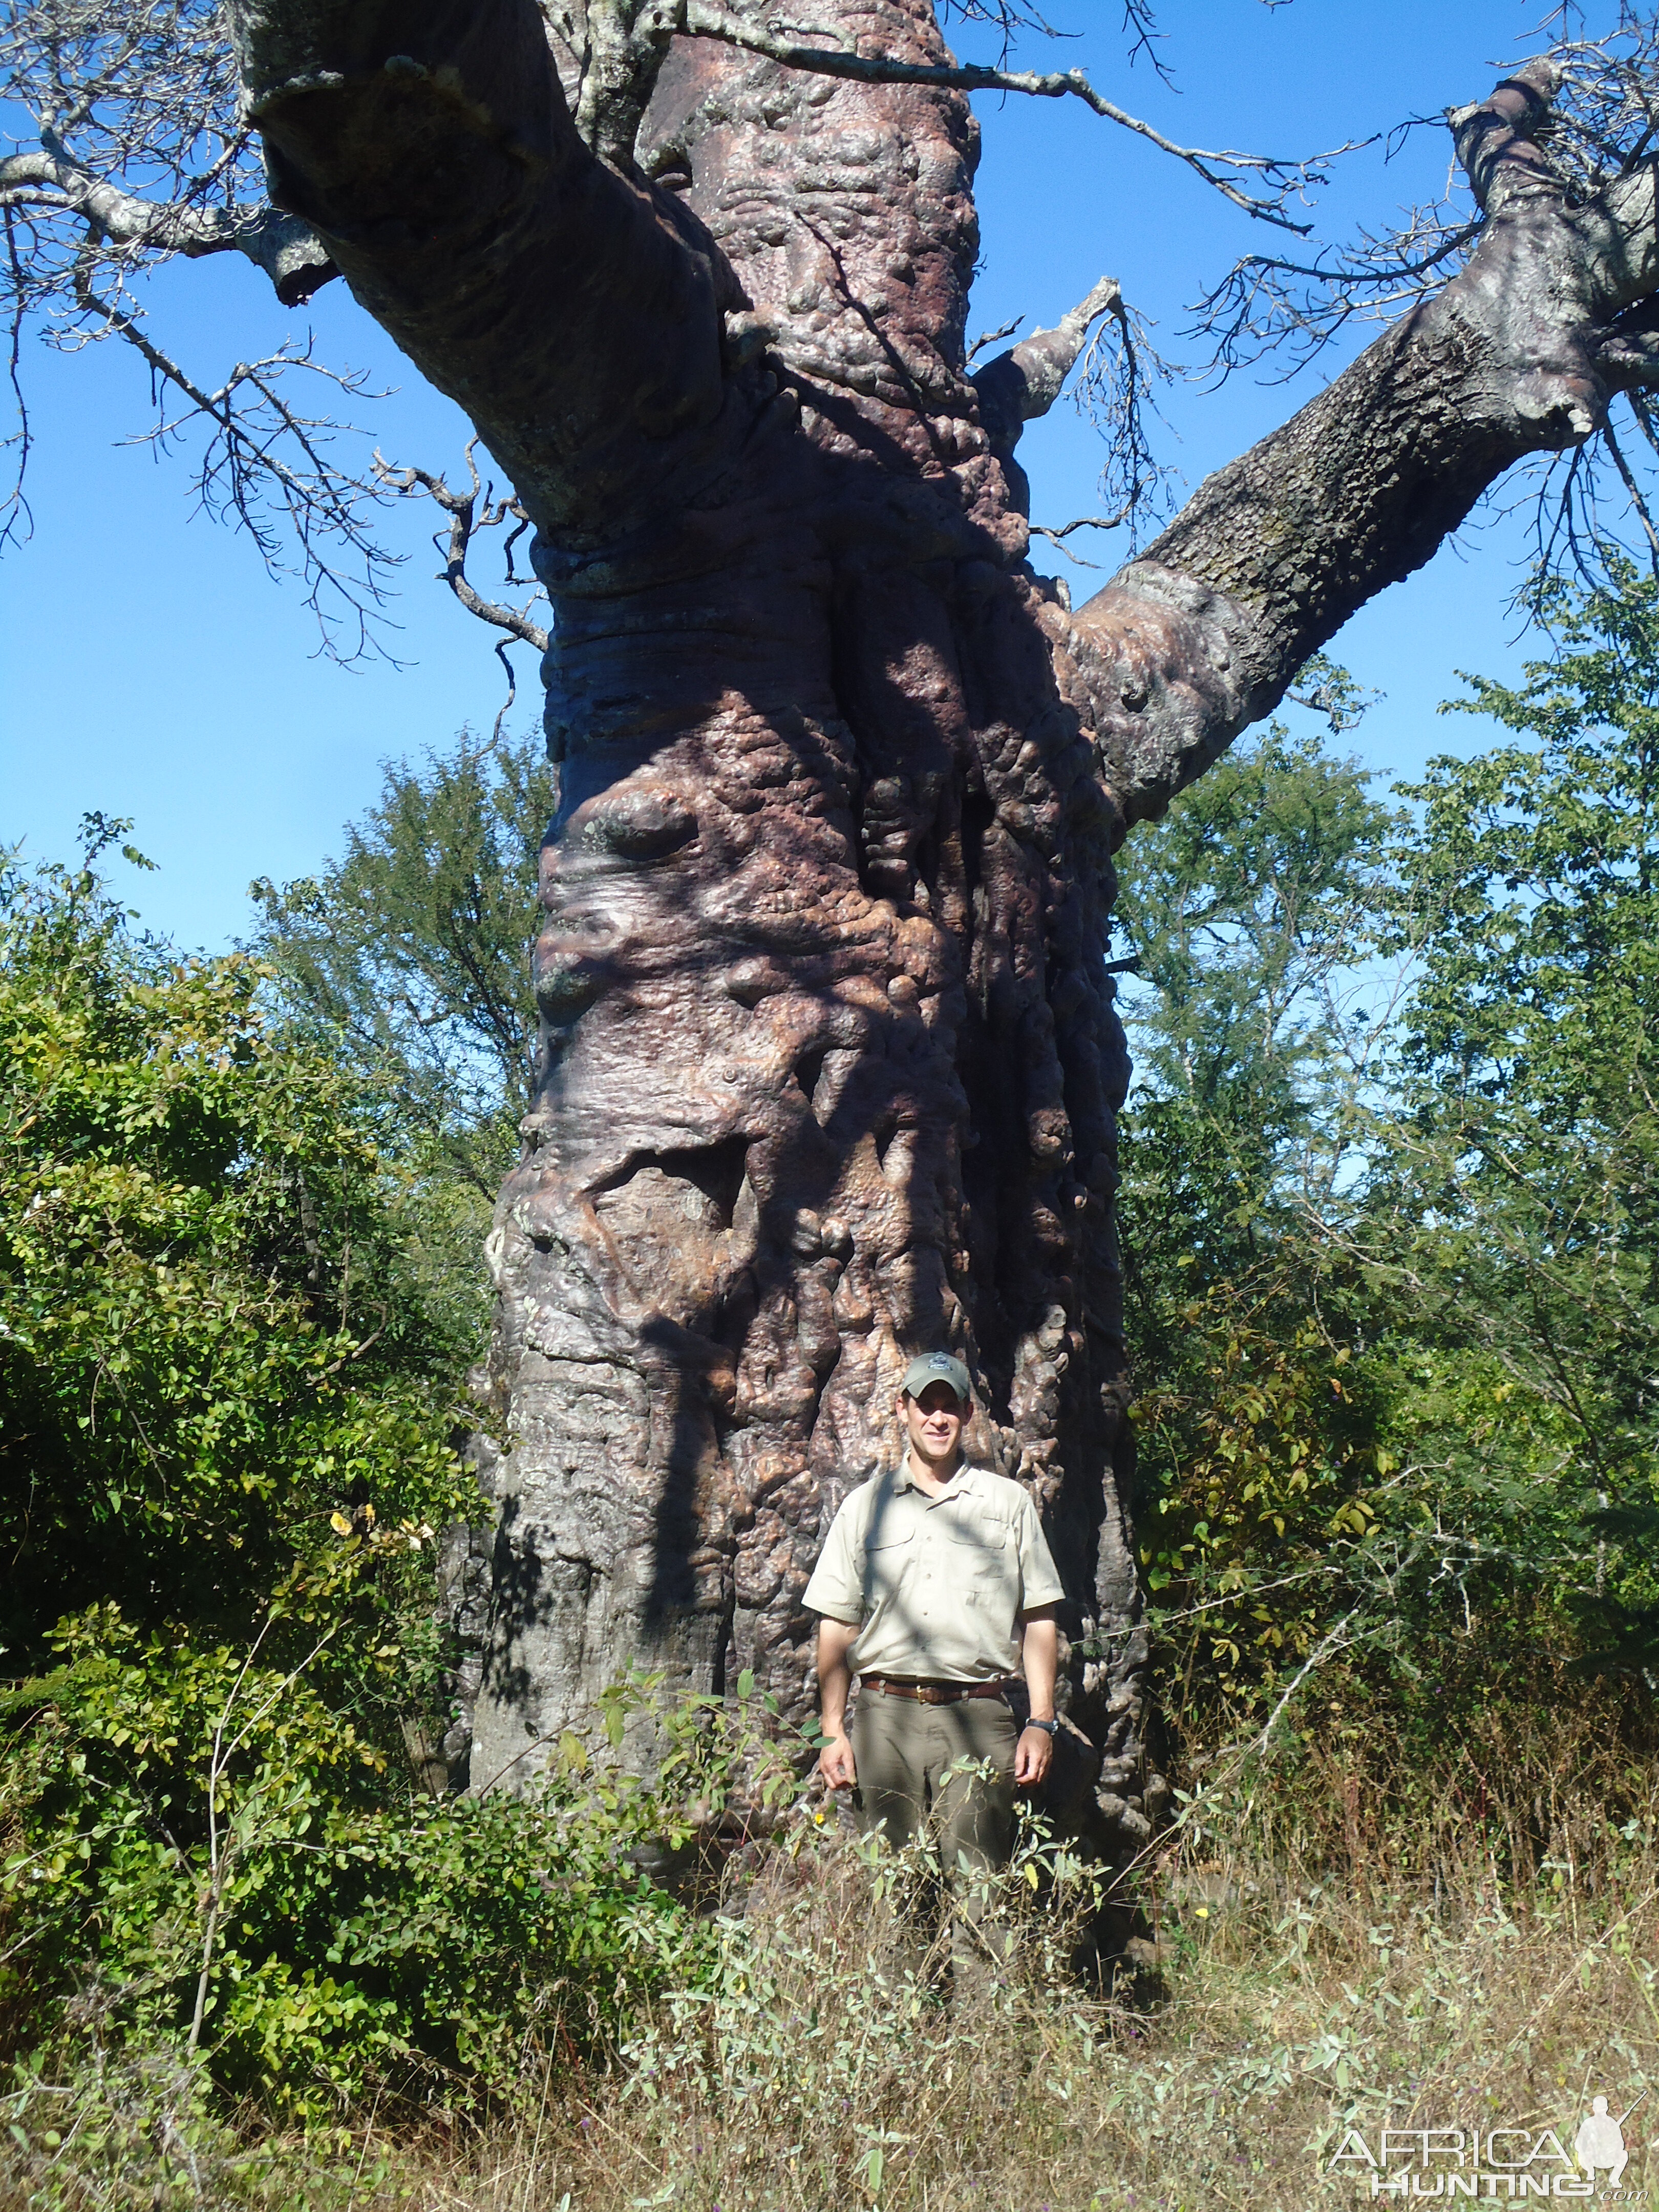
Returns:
<point x="936" y="1399"/>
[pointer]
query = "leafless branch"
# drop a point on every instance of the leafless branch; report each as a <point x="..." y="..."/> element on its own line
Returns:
<point x="464" y="518"/>
<point x="1638" y="503"/>
<point x="993" y="337"/>
<point x="284" y="248"/>
<point x="1010" y="17"/>
<point x="1115" y="393"/>
<point x="1269" y="302"/>
<point x="470" y="511"/>
<point x="244" y="474"/>
<point x="1058" y="535"/>
<point x="15" y="521"/>
<point x="138" y="155"/>
<point x="1603" y="123"/>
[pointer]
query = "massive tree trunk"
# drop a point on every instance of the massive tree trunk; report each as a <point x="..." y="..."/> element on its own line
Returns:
<point x="831" y="1063"/>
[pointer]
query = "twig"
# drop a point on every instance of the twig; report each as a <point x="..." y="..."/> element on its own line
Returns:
<point x="470" y="511"/>
<point x="1061" y="532"/>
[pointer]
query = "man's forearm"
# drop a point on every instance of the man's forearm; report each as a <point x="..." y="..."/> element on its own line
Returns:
<point x="1041" y="1651"/>
<point x="834" y="1688"/>
<point x="835" y="1640"/>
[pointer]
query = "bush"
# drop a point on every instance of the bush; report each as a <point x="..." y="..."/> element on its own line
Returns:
<point x="234" y="1414"/>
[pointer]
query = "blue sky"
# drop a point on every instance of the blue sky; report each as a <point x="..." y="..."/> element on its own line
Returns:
<point x="153" y="670"/>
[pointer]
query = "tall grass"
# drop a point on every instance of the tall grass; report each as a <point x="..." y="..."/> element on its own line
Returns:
<point x="1328" y="1955"/>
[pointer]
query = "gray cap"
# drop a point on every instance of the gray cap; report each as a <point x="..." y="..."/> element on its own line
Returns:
<point x="938" y="1367"/>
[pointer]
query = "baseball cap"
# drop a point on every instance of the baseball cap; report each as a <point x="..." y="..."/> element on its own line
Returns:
<point x="937" y="1367"/>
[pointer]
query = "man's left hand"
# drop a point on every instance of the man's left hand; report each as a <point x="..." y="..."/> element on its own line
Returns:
<point x="1032" y="1757"/>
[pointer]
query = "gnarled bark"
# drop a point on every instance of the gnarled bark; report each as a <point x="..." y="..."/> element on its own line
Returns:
<point x="831" y="1064"/>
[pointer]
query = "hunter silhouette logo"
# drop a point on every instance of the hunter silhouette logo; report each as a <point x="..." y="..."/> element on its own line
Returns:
<point x="1487" y="2162"/>
<point x="1599" y="2144"/>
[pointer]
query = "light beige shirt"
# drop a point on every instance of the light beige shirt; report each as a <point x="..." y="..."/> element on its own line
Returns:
<point x="936" y="1584"/>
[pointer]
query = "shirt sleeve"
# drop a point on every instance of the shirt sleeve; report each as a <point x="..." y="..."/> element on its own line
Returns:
<point x="834" y="1589"/>
<point x="1040" y="1584"/>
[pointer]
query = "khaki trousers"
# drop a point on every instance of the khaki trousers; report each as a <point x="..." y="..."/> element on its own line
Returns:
<point x="903" y="1752"/>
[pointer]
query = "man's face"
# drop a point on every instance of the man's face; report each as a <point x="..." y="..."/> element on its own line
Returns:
<point x="934" y="1421"/>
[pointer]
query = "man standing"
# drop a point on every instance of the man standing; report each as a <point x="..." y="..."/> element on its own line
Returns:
<point x="935" y="1584"/>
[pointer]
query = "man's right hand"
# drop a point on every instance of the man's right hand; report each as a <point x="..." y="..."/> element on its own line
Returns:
<point x="835" y="1763"/>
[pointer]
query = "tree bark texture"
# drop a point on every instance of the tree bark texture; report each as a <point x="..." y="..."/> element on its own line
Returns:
<point x="831" y="1064"/>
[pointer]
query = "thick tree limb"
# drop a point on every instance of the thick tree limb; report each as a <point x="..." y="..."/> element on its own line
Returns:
<point x="1273" y="554"/>
<point x="285" y="248"/>
<point x="1023" y="384"/>
<point x="433" y="152"/>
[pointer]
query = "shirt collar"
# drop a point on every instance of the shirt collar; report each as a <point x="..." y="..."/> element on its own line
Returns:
<point x="902" y="1480"/>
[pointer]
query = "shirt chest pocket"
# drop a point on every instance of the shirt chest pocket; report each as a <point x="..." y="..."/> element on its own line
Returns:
<point x="887" y="1557"/>
<point x="980" y="1551"/>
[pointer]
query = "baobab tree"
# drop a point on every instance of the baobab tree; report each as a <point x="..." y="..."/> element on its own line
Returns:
<point x="830" y="1061"/>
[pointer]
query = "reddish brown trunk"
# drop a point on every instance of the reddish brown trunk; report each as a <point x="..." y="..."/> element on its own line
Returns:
<point x="831" y="1063"/>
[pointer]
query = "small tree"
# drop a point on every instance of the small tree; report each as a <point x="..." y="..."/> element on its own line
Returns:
<point x="1514" y="1200"/>
<point x="413" y="949"/>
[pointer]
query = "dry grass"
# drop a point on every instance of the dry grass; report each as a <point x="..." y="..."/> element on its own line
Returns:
<point x="1303" y="1991"/>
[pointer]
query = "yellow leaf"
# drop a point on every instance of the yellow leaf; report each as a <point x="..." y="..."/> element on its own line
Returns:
<point x="340" y="1525"/>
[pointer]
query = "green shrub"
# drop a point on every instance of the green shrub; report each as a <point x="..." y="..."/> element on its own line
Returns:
<point x="232" y="1418"/>
<point x="205" y="1837"/>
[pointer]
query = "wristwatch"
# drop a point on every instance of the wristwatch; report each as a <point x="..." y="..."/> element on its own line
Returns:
<point x="1049" y="1728"/>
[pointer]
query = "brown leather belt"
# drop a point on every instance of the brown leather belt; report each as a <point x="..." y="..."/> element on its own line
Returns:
<point x="935" y="1693"/>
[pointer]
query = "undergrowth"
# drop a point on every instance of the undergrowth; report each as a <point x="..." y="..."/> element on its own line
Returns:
<point x="1313" y="1977"/>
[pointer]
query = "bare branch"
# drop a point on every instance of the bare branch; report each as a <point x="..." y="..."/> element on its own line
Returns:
<point x="1594" y="106"/>
<point x="15" y="521"/>
<point x="470" y="511"/>
<point x="1023" y="383"/>
<point x="993" y="337"/>
<point x="1268" y="301"/>
<point x="1223" y="170"/>
<point x="461" y="507"/>
<point x="241" y="468"/>
<point x="139" y="154"/>
<point x="1638" y="504"/>
<point x="1057" y="534"/>
<point x="1115" y="391"/>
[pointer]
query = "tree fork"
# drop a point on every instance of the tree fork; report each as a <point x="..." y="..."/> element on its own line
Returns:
<point x="831" y="1065"/>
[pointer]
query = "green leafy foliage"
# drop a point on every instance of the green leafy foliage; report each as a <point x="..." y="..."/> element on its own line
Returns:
<point x="412" y="950"/>
<point x="1244" y="909"/>
<point x="1254" y="1047"/>
<point x="1516" y="1196"/>
<point x="232" y="1404"/>
<point x="209" y="1337"/>
<point x="1389" y="1211"/>
<point x="211" y="1836"/>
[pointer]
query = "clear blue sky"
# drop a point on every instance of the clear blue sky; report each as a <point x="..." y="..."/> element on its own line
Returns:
<point x="153" y="670"/>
